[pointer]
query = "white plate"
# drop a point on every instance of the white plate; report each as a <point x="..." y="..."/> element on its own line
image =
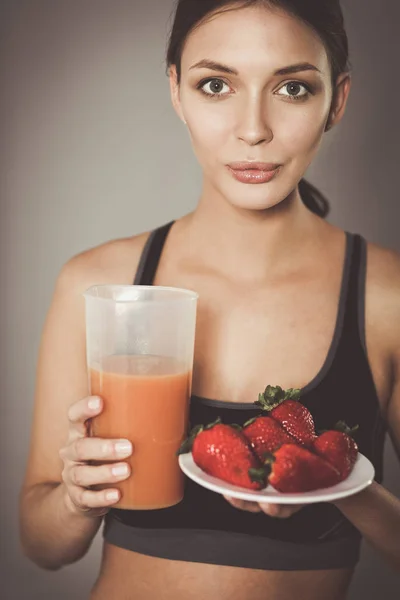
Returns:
<point x="361" y="476"/>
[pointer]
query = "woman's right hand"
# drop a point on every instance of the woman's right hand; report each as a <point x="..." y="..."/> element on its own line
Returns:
<point x="79" y="475"/>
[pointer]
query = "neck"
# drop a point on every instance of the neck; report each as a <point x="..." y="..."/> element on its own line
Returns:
<point x="253" y="243"/>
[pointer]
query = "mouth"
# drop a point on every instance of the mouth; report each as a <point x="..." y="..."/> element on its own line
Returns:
<point x="253" y="172"/>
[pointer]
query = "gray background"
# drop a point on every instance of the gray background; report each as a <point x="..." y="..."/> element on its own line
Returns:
<point x="85" y="116"/>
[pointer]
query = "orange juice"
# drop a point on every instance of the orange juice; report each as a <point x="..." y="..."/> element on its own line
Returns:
<point x="146" y="400"/>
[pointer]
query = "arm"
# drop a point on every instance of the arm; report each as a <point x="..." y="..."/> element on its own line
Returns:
<point x="51" y="532"/>
<point x="376" y="514"/>
<point x="59" y="516"/>
<point x="375" y="511"/>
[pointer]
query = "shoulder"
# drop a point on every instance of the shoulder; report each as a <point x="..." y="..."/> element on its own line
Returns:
<point x="113" y="262"/>
<point x="383" y="271"/>
<point x="384" y="264"/>
<point x="383" y="292"/>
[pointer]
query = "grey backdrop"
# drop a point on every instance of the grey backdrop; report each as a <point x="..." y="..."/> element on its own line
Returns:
<point x="85" y="113"/>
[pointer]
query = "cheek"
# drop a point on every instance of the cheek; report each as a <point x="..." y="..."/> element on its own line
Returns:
<point x="209" y="122"/>
<point x="299" y="130"/>
<point x="210" y="127"/>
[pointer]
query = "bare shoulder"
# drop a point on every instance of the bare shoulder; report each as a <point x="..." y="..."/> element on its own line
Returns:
<point x="384" y="262"/>
<point x="383" y="291"/>
<point x="383" y="271"/>
<point x="113" y="262"/>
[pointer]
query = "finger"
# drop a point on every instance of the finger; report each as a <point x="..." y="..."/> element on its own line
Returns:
<point x="273" y="510"/>
<point x="86" y="476"/>
<point x="84" y="409"/>
<point x="243" y="504"/>
<point x="280" y="511"/>
<point x="85" y="500"/>
<point x="86" y="448"/>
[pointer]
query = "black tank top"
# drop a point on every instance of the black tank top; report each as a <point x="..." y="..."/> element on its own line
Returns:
<point x="204" y="527"/>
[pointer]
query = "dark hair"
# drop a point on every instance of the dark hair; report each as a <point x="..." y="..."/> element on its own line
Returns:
<point x="325" y="17"/>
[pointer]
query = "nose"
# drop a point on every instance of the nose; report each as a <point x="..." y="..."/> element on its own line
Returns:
<point x="253" y="127"/>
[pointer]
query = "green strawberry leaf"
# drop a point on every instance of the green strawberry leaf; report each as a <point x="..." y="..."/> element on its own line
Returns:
<point x="269" y="458"/>
<point x="250" y="421"/>
<point x="275" y="395"/>
<point x="210" y="425"/>
<point x="292" y="394"/>
<point x="236" y="426"/>
<point x="344" y="428"/>
<point x="258" y="475"/>
<point x="187" y="444"/>
<point x="340" y="426"/>
<point x="196" y="429"/>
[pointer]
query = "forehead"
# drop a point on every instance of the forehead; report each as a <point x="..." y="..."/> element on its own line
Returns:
<point x="257" y="36"/>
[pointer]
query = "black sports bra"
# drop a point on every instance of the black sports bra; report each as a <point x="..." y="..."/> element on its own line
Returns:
<point x="204" y="527"/>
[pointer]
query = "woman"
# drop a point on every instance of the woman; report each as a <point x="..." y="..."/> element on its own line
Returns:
<point x="285" y="298"/>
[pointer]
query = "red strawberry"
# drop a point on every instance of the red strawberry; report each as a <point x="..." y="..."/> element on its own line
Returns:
<point x="224" y="452"/>
<point x="294" y="417"/>
<point x="265" y="435"/>
<point x="338" y="447"/>
<point x="296" y="469"/>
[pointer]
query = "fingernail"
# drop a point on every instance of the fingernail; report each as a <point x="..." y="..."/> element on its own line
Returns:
<point x="112" y="495"/>
<point x="123" y="447"/>
<point x="94" y="403"/>
<point x="119" y="470"/>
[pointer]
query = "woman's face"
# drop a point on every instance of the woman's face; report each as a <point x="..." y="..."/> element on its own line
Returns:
<point x="259" y="111"/>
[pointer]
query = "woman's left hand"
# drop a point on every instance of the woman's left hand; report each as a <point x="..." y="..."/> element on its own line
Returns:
<point x="281" y="511"/>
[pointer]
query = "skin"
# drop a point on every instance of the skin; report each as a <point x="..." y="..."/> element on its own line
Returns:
<point x="265" y="259"/>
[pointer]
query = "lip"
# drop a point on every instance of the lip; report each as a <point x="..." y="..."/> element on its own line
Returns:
<point x="253" y="172"/>
<point x="251" y="165"/>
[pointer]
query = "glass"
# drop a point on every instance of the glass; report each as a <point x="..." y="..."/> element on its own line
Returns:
<point x="140" y="347"/>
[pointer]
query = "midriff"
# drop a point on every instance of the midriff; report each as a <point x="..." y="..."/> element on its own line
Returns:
<point x="127" y="575"/>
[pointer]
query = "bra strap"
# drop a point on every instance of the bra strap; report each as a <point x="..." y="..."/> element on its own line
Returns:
<point x="354" y="310"/>
<point x="151" y="255"/>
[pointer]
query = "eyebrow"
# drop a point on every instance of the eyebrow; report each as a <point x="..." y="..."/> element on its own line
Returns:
<point x="214" y="66"/>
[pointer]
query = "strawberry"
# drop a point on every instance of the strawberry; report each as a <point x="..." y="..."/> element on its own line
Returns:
<point x="224" y="452"/>
<point x="294" y="417"/>
<point x="265" y="435"/>
<point x="295" y="469"/>
<point x="338" y="448"/>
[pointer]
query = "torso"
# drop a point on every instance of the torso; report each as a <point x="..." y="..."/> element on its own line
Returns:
<point x="233" y="361"/>
<point x="127" y="575"/>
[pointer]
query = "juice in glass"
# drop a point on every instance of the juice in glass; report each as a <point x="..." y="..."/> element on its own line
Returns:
<point x="146" y="400"/>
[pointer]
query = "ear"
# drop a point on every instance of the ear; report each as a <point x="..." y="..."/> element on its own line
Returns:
<point x="339" y="100"/>
<point x="174" y="89"/>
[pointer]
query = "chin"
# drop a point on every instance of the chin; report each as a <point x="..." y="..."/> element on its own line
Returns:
<point x="256" y="197"/>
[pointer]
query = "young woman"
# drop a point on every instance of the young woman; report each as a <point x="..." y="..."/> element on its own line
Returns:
<point x="285" y="298"/>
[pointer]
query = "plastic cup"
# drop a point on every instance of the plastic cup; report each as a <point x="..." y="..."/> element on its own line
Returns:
<point x="140" y="346"/>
